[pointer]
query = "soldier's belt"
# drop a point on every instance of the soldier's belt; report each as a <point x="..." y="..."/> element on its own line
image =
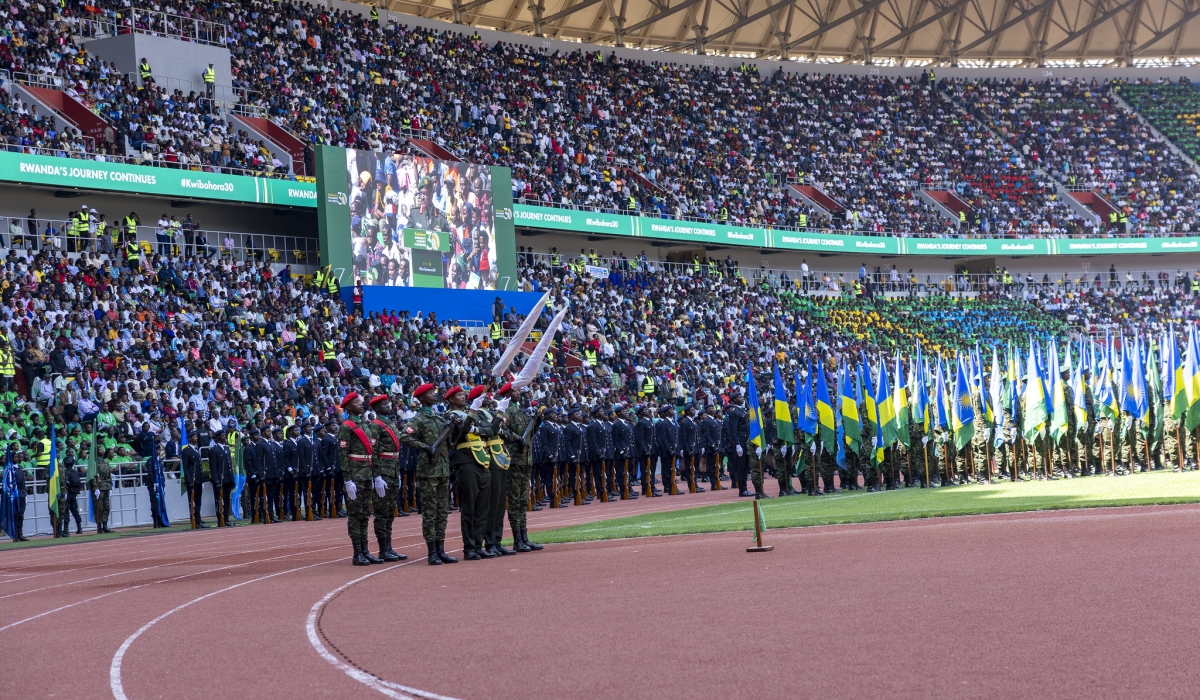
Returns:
<point x="360" y="458"/>
<point x="389" y="455"/>
<point x="478" y="448"/>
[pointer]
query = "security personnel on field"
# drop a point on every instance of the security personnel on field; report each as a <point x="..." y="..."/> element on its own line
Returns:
<point x="516" y="424"/>
<point x="387" y="459"/>
<point x="596" y="448"/>
<point x="356" y="445"/>
<point x="575" y="455"/>
<point x="100" y="486"/>
<point x="623" y="449"/>
<point x="289" y="468"/>
<point x="433" y="466"/>
<point x="498" y="488"/>
<point x="220" y="473"/>
<point x="472" y="460"/>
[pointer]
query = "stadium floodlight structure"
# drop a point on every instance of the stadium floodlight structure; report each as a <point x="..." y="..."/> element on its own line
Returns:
<point x="963" y="33"/>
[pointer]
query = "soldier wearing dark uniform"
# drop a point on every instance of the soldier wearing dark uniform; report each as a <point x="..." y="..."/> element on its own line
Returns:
<point x="336" y="479"/>
<point x="327" y="456"/>
<point x="289" y="468"/>
<point x="622" y="434"/>
<point x="356" y="445"/>
<point x="472" y="460"/>
<point x="710" y="445"/>
<point x="498" y="488"/>
<point x="596" y="447"/>
<point x="387" y="463"/>
<point x="100" y="485"/>
<point x="254" y="457"/>
<point x="549" y="447"/>
<point x="643" y="442"/>
<point x="516" y="424"/>
<point x="306" y="466"/>
<point x="666" y="445"/>
<point x="690" y="443"/>
<point x="736" y="434"/>
<point x="220" y="473"/>
<point x="272" y="458"/>
<point x="433" y="467"/>
<point x="575" y="451"/>
<point x="193" y="479"/>
<point x="610" y="455"/>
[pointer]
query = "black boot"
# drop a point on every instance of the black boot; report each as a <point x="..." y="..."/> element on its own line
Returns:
<point x="474" y="555"/>
<point x="519" y="542"/>
<point x="499" y="548"/>
<point x="434" y="559"/>
<point x="386" y="552"/>
<point x="525" y="538"/>
<point x="486" y="553"/>
<point x="441" y="552"/>
<point x="366" y="552"/>
<point x="359" y="559"/>
<point x="21" y="533"/>
<point x="78" y="528"/>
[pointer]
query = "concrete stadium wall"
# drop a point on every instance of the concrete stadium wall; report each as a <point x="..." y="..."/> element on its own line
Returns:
<point x="169" y="58"/>
<point x="769" y="67"/>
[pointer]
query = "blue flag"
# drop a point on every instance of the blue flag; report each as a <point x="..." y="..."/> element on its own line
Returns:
<point x="8" y="498"/>
<point x="806" y="410"/>
<point x="756" y="431"/>
<point x="160" y="494"/>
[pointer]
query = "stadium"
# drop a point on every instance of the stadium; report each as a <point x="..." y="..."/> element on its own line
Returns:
<point x="599" y="349"/>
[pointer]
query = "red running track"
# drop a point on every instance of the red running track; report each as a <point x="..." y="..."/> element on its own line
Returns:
<point x="1079" y="604"/>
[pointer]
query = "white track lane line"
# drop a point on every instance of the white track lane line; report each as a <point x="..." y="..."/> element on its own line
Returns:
<point x="165" y="580"/>
<point x="174" y="563"/>
<point x="388" y="688"/>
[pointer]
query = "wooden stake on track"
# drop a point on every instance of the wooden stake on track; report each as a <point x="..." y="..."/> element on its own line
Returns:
<point x="758" y="538"/>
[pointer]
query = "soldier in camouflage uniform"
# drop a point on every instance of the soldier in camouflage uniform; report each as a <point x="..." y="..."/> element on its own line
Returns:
<point x="101" y="485"/>
<point x="433" y="468"/>
<point x="1087" y="431"/>
<point x="516" y="424"/>
<point x="357" y="443"/>
<point x="778" y="460"/>
<point x="387" y="461"/>
<point x="1067" y="455"/>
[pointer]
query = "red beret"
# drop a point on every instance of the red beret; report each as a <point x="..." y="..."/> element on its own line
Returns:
<point x="452" y="391"/>
<point x="422" y="389"/>
<point x="348" y="398"/>
<point x="376" y="399"/>
<point x="504" y="389"/>
<point x="476" y="392"/>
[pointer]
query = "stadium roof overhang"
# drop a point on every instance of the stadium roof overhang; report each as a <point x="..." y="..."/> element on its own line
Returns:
<point x="874" y="32"/>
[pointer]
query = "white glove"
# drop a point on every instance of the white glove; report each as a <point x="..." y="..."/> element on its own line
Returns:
<point x="380" y="486"/>
<point x="351" y="490"/>
<point x="758" y="452"/>
<point x="96" y="494"/>
<point x="813" y="448"/>
<point x="701" y="450"/>
<point x="924" y="440"/>
<point x="502" y="404"/>
<point x="478" y="402"/>
<point x="739" y="450"/>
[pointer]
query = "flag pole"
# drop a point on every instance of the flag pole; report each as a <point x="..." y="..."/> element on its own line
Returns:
<point x="925" y="453"/>
<point x="758" y="537"/>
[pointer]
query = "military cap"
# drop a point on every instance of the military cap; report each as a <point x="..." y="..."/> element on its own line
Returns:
<point x="376" y="399"/>
<point x="422" y="389"/>
<point x="348" y="398"/>
<point x="476" y="392"/>
<point x="504" y="389"/>
<point x="452" y="391"/>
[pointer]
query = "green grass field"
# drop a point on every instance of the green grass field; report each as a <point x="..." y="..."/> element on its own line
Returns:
<point x="89" y="535"/>
<point x="1159" y="488"/>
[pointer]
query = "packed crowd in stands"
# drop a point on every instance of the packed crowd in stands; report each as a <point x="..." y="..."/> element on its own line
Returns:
<point x="1079" y="134"/>
<point x="1172" y="108"/>
<point x="584" y="130"/>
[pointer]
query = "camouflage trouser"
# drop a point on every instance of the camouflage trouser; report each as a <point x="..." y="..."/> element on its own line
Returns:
<point x="358" y="511"/>
<point x="385" y="508"/>
<point x="102" y="508"/>
<point x="1066" y="454"/>
<point x="518" y="496"/>
<point x="1087" y="444"/>
<point x="783" y="474"/>
<point x="828" y="465"/>
<point x="756" y="471"/>
<point x="434" y="492"/>
<point x="1172" y="452"/>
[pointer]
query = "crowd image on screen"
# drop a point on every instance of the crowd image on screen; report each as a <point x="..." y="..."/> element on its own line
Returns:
<point x="418" y="216"/>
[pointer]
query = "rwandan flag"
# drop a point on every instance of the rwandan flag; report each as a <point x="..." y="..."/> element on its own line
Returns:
<point x="826" y="425"/>
<point x="1059" y="415"/>
<point x="1034" y="400"/>
<point x="885" y="407"/>
<point x="806" y="411"/>
<point x="1134" y="381"/>
<point x="964" y="410"/>
<point x="941" y="415"/>
<point x="1191" y="377"/>
<point x="851" y="424"/>
<point x="239" y="477"/>
<point x="52" y="475"/>
<point x="1178" y="385"/>
<point x="900" y="405"/>
<point x="756" y="429"/>
<point x="783" y="412"/>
